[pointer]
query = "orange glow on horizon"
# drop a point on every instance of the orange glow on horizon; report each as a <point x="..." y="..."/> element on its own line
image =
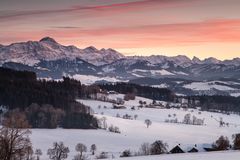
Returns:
<point x="133" y="27"/>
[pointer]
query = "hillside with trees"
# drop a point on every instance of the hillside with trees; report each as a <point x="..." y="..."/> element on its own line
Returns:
<point x="46" y="104"/>
<point x="221" y="103"/>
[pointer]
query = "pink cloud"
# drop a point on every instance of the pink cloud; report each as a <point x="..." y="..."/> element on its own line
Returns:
<point x="115" y="7"/>
<point x="224" y="30"/>
<point x="182" y="33"/>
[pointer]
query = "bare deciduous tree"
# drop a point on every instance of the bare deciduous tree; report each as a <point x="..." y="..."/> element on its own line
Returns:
<point x="14" y="137"/>
<point x="117" y="115"/>
<point x="222" y="143"/>
<point x="236" y="141"/>
<point x="145" y="149"/>
<point x="29" y="153"/>
<point x="58" y="152"/>
<point x="38" y="153"/>
<point x="80" y="148"/>
<point x="187" y="119"/>
<point x="158" y="147"/>
<point x="114" y="129"/>
<point x="126" y="153"/>
<point x="78" y="157"/>
<point x="135" y="116"/>
<point x="148" y="122"/>
<point x="104" y="122"/>
<point x="93" y="148"/>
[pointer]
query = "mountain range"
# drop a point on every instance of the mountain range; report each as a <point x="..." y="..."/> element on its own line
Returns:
<point x="32" y="52"/>
<point x="50" y="59"/>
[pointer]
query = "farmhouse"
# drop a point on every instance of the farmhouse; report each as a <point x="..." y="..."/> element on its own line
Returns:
<point x="193" y="150"/>
<point x="119" y="101"/>
<point x="177" y="149"/>
<point x="118" y="106"/>
<point x="100" y="96"/>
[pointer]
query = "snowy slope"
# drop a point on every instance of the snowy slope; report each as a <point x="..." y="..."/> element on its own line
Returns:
<point x="235" y="94"/>
<point x="89" y="79"/>
<point x="154" y="72"/>
<point x="135" y="132"/>
<point x="207" y="86"/>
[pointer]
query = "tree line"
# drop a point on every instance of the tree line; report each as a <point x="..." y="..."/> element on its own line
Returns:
<point x="221" y="103"/>
<point x="163" y="94"/>
<point x="46" y="104"/>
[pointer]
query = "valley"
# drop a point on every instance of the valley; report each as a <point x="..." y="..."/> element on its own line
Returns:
<point x="134" y="131"/>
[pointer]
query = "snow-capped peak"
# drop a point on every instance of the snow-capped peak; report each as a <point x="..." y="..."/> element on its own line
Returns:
<point x="91" y="49"/>
<point x="211" y="60"/>
<point x="180" y="58"/>
<point x="47" y="48"/>
<point x="48" y="39"/>
<point x="196" y="60"/>
<point x="234" y="61"/>
<point x="100" y="57"/>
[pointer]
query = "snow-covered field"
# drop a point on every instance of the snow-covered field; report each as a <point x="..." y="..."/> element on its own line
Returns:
<point x="235" y="94"/>
<point x="192" y="156"/>
<point x="154" y="72"/>
<point x="134" y="132"/>
<point x="89" y="79"/>
<point x="163" y="85"/>
<point x="207" y="86"/>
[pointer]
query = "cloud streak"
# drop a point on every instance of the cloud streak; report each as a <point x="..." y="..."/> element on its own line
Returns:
<point x="210" y="31"/>
<point x="127" y="6"/>
<point x="223" y="30"/>
<point x="64" y="27"/>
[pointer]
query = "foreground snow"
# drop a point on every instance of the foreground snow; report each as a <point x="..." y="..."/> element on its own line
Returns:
<point x="134" y="132"/>
<point x="191" y="156"/>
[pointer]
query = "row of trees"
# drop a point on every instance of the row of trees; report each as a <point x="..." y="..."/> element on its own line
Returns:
<point x="159" y="147"/>
<point x="46" y="116"/>
<point x="223" y="143"/>
<point x="193" y="121"/>
<point x="60" y="152"/>
<point x="209" y="103"/>
<point x="144" y="91"/>
<point x="225" y="104"/>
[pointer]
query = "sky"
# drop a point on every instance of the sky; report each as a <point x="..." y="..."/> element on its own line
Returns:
<point x="201" y="28"/>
